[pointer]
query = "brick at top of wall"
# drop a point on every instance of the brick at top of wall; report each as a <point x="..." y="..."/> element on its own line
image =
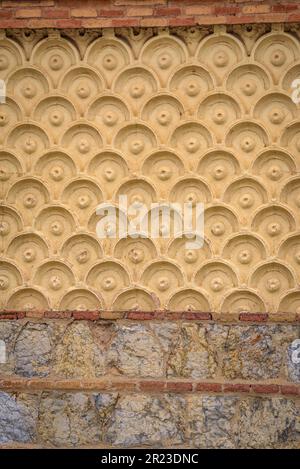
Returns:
<point x="28" y="13"/>
<point x="140" y="11"/>
<point x="167" y="11"/>
<point x="24" y="3"/>
<point x="199" y="10"/>
<point x="139" y="2"/>
<point x="145" y="13"/>
<point x="84" y="12"/>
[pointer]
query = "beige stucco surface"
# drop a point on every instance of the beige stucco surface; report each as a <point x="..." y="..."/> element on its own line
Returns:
<point x="187" y="115"/>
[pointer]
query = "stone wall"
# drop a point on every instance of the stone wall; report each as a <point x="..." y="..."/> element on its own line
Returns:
<point x="189" y="350"/>
<point x="73" y="383"/>
<point x="97" y="419"/>
<point x="147" y="344"/>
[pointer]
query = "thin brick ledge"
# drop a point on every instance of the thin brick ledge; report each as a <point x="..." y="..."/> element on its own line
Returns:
<point x="151" y="386"/>
<point x="159" y="315"/>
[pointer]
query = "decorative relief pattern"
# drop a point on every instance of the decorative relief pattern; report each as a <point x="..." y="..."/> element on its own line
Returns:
<point x="159" y="116"/>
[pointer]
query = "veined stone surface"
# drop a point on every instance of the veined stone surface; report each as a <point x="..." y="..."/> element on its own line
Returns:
<point x="59" y="419"/>
<point x="195" y="351"/>
<point x="180" y="115"/>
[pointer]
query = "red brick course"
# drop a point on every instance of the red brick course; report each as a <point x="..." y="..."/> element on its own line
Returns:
<point x="179" y="387"/>
<point x="265" y="388"/>
<point x="143" y="385"/>
<point x="290" y="389"/>
<point x="119" y="13"/>
<point x="236" y="387"/>
<point x="160" y="315"/>
<point x="208" y="387"/>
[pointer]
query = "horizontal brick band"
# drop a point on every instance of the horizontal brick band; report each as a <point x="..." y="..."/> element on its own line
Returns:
<point x="151" y="386"/>
<point x="148" y="13"/>
<point x="151" y="315"/>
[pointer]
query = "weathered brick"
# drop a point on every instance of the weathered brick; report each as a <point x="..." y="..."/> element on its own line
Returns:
<point x="96" y="23"/>
<point x="236" y="387"/>
<point x="21" y="314"/>
<point x="155" y="386"/>
<point x="141" y="315"/>
<point x="209" y="387"/>
<point x="86" y="3"/>
<point x="181" y="21"/>
<point x="34" y="3"/>
<point x="69" y="23"/>
<point x="167" y="12"/>
<point x="124" y="385"/>
<point x="35" y="23"/>
<point x="283" y="316"/>
<point x="226" y="10"/>
<point x="243" y="19"/>
<point x="28" y="12"/>
<point x="58" y="314"/>
<point x="84" y="12"/>
<point x="198" y="10"/>
<point x="140" y="2"/>
<point x="252" y="9"/>
<point x="179" y="387"/>
<point x="150" y="22"/>
<point x="281" y="8"/>
<point x="290" y="389"/>
<point x="210" y="19"/>
<point x="56" y="13"/>
<point x="294" y="17"/>
<point x="197" y="316"/>
<point x="147" y="13"/>
<point x="35" y="314"/>
<point x="6" y="316"/>
<point x="140" y="11"/>
<point x="173" y="315"/>
<point x="110" y="13"/>
<point x="270" y="18"/>
<point x="86" y="315"/>
<point x="255" y="317"/>
<point x="125" y="22"/>
<point x="6" y="14"/>
<point x="265" y="388"/>
<point x="14" y="23"/>
<point x="112" y="315"/>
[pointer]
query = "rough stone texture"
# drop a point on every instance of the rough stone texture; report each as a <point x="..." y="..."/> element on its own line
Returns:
<point x="135" y="351"/>
<point x="59" y="419"/>
<point x="293" y="366"/>
<point x="33" y="350"/>
<point x="157" y="350"/>
<point x="192" y="356"/>
<point x="8" y="334"/>
<point x="77" y="355"/>
<point x="140" y="419"/>
<point x="166" y="333"/>
<point x="269" y="423"/>
<point x="89" y="349"/>
<point x="18" y="417"/>
<point x="213" y="421"/>
<point x="70" y="419"/>
<point x="256" y="352"/>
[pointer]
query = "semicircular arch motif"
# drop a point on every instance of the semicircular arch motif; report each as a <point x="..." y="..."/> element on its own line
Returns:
<point x="107" y="143"/>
